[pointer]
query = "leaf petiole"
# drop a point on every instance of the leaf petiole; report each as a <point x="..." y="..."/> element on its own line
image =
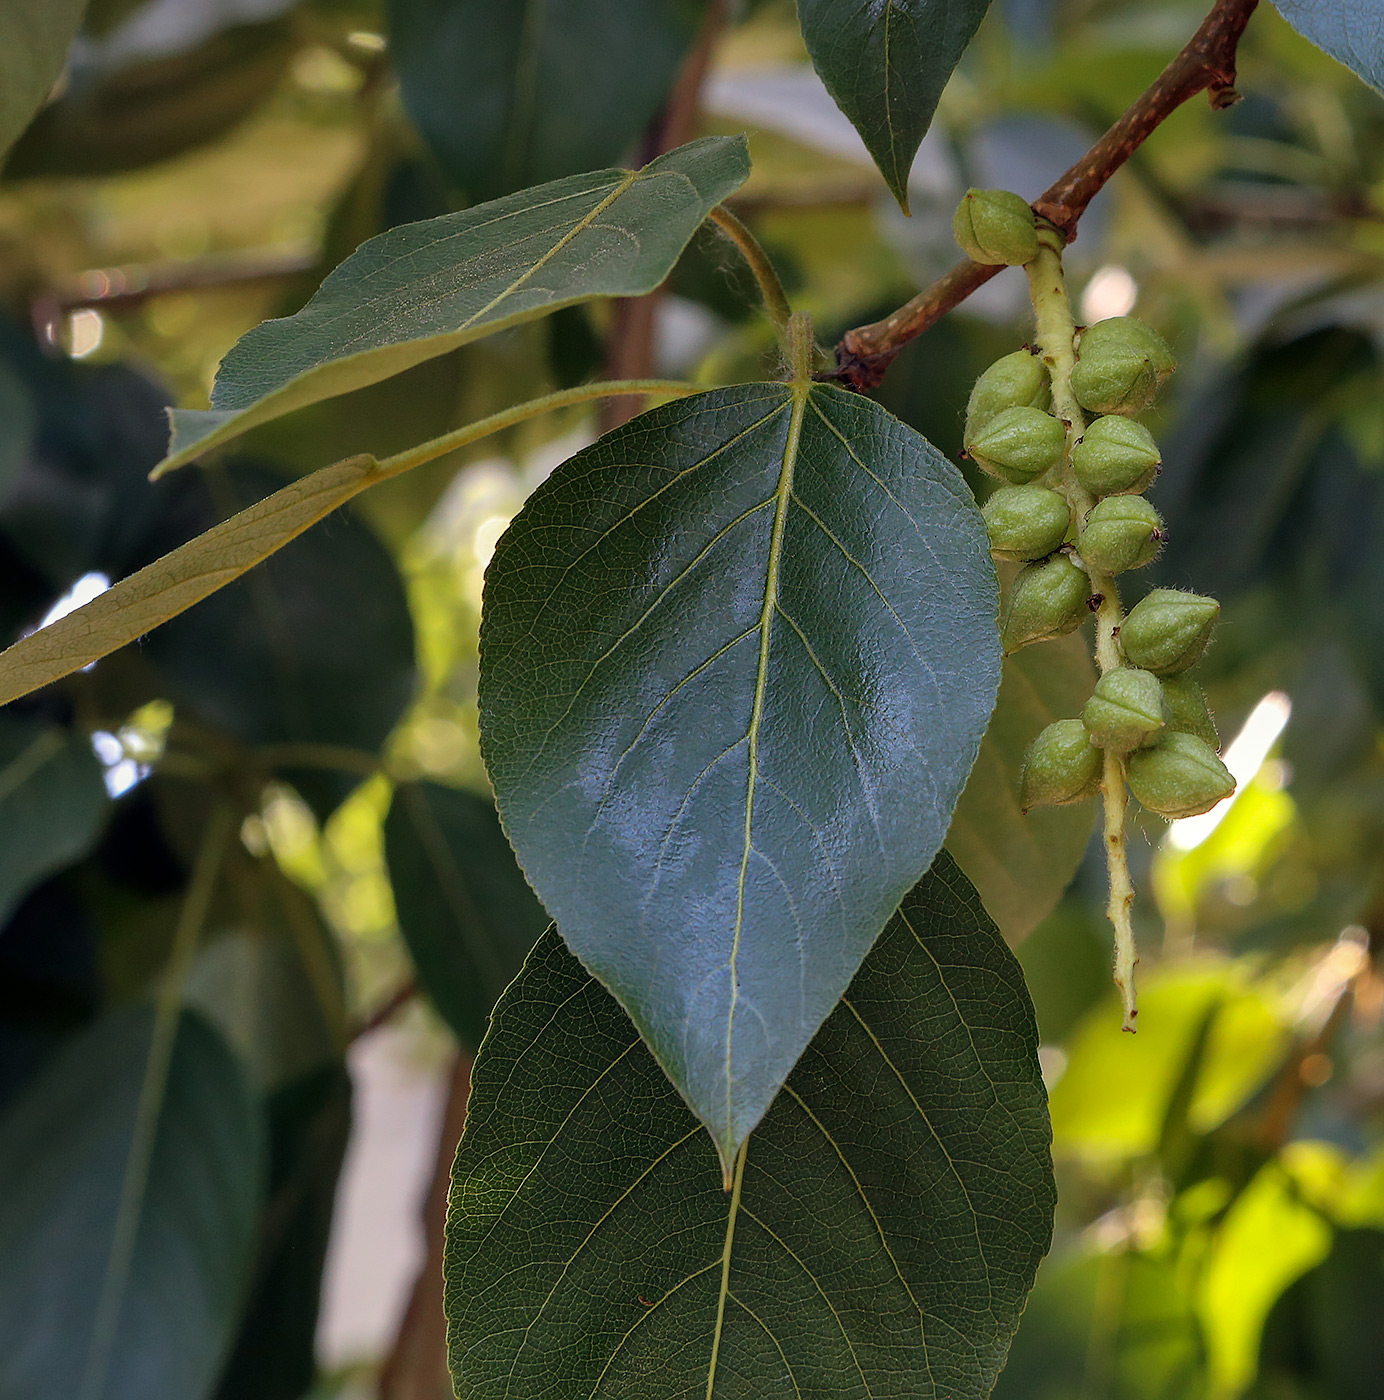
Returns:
<point x="770" y="288"/>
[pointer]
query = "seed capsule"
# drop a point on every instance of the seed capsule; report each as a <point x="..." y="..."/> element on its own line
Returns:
<point x="1180" y="776"/>
<point x="1125" y="710"/>
<point x="995" y="226"/>
<point x="1184" y="703"/>
<point x="1025" y="522"/>
<point x="1121" y="532"/>
<point x="1120" y="365"/>
<point x="1019" y="444"/>
<point x="1167" y="631"/>
<point x="1019" y="380"/>
<point x="1061" y="766"/>
<point x="1115" y="455"/>
<point x="1047" y="600"/>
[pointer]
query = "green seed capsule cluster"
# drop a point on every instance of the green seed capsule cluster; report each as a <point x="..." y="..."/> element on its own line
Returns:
<point x="1058" y="425"/>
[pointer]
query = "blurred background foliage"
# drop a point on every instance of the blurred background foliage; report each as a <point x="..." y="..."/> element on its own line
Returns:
<point x="219" y="810"/>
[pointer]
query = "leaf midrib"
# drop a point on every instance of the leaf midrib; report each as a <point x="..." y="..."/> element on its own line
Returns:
<point x="783" y="494"/>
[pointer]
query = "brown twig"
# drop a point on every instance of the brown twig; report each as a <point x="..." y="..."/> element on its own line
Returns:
<point x="632" y="334"/>
<point x="417" y="1365"/>
<point x="1207" y="63"/>
<point x="386" y="1011"/>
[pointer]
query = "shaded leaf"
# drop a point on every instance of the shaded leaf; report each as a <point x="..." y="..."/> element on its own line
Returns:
<point x="52" y="803"/>
<point x="464" y="907"/>
<point x="1020" y="863"/>
<point x="63" y="1151"/>
<point x="34" y="40"/>
<point x="736" y="661"/>
<point x="1349" y="30"/>
<point x="1117" y="1325"/>
<point x="491" y="87"/>
<point x="277" y="658"/>
<point x="886" y="1221"/>
<point x="886" y="63"/>
<point x="423" y="289"/>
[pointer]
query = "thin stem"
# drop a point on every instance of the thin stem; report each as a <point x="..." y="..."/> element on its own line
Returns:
<point x="1207" y="62"/>
<point x="770" y="288"/>
<point x="563" y="398"/>
<point x="167" y="1006"/>
<point x="1056" y="338"/>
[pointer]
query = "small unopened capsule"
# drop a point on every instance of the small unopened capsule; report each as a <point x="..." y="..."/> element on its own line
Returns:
<point x="1017" y="380"/>
<point x="1125" y="710"/>
<point x="1019" y="444"/>
<point x="1167" y="631"/>
<point x="995" y="226"/>
<point x="1025" y="522"/>
<point x="1120" y="365"/>
<point x="1115" y="455"/>
<point x="1179" y="776"/>
<point x="1184" y="701"/>
<point x="1061" y="766"/>
<point x="1121" y="532"/>
<point x="1048" y="600"/>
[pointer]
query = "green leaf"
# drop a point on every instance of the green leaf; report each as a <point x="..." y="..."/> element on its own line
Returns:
<point x="736" y="661"/>
<point x="34" y="39"/>
<point x="1117" y="1325"/>
<point x="464" y="907"/>
<point x="52" y="803"/>
<point x="1351" y="31"/>
<point x="1021" y="863"/>
<point x="491" y="86"/>
<point x="886" y="64"/>
<point x="886" y="1220"/>
<point x="63" y="1151"/>
<point x="422" y="289"/>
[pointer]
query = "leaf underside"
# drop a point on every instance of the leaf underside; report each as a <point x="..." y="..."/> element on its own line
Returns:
<point x="886" y="62"/>
<point x="886" y="1225"/>
<point x="422" y="289"/>
<point x="736" y="661"/>
<point x="1351" y="31"/>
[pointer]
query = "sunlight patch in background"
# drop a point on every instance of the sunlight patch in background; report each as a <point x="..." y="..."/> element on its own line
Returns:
<point x="1112" y="291"/>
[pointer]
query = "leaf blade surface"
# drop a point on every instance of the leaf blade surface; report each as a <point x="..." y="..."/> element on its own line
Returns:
<point x="885" y="62"/>
<point x="422" y="289"/>
<point x="34" y="40"/>
<point x="888" y="1221"/>
<point x="1351" y="31"/>
<point x="736" y="661"/>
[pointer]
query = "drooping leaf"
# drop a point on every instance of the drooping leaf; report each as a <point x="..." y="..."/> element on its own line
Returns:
<point x="1349" y="30"/>
<point x="34" y="39"/>
<point x="1022" y="863"/>
<point x="63" y="1151"/>
<point x="885" y="1223"/>
<point x="464" y="907"/>
<point x="490" y="86"/>
<point x="736" y="661"/>
<point x="1118" y="1325"/>
<point x="52" y="803"/>
<point x="423" y="289"/>
<point x="886" y="63"/>
<point x="277" y="658"/>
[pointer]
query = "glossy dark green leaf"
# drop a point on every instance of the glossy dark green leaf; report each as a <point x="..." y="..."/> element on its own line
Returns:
<point x="886" y="63"/>
<point x="736" y="661"/>
<point x="491" y="86"/>
<point x="280" y="657"/>
<point x="886" y="1220"/>
<point x="34" y="40"/>
<point x="63" y="1151"/>
<point x="1022" y="863"/>
<point x="464" y="907"/>
<point x="1349" y="30"/>
<point x="423" y="289"/>
<point x="52" y="803"/>
<point x="1118" y="1325"/>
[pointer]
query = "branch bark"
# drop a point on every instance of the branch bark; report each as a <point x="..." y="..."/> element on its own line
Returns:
<point x="1205" y="64"/>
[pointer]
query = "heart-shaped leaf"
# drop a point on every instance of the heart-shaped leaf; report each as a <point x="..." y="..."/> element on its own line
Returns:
<point x="422" y="289"/>
<point x="886" y="1220"/>
<point x="886" y="63"/>
<point x="490" y="86"/>
<point x="736" y="661"/>
<point x="1351" y="31"/>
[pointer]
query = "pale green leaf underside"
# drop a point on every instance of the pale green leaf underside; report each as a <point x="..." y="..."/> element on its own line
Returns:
<point x="886" y="1224"/>
<point x="886" y="63"/>
<point x="1351" y="31"/>
<point x="422" y="289"/>
<point x="34" y="38"/>
<point x="736" y="662"/>
<point x="1022" y="862"/>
